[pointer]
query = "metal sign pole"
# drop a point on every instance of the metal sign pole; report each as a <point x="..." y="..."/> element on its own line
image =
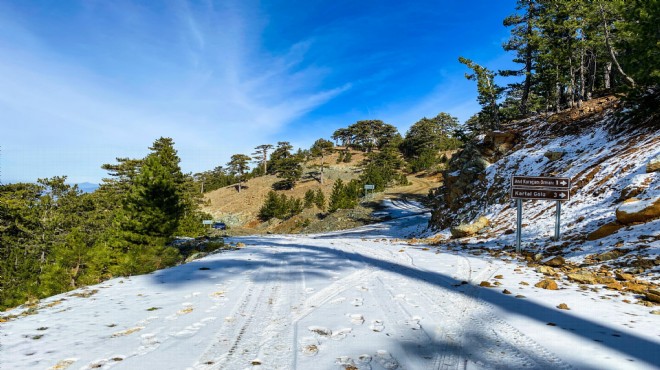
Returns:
<point x="519" y="225"/>
<point x="557" y="221"/>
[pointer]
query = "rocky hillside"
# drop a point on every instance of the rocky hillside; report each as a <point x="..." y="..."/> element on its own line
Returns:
<point x="240" y="210"/>
<point x="612" y="219"/>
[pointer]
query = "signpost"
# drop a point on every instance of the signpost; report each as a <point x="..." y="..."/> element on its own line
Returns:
<point x="367" y="188"/>
<point x="539" y="188"/>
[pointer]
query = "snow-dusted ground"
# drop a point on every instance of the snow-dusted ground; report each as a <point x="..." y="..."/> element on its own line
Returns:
<point x="361" y="298"/>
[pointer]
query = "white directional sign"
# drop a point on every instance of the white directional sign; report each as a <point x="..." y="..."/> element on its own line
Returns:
<point x="540" y="182"/>
<point x="538" y="187"/>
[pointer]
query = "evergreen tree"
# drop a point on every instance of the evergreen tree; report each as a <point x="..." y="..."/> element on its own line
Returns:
<point x="319" y="200"/>
<point x="309" y="198"/>
<point x="320" y="149"/>
<point x="488" y="91"/>
<point x="238" y="166"/>
<point x="261" y="155"/>
<point x="428" y="136"/>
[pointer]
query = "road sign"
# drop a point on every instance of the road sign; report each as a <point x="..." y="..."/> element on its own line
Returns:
<point x="207" y="222"/>
<point x="369" y="187"/>
<point x="541" y="194"/>
<point x="536" y="182"/>
<point x="541" y="188"/>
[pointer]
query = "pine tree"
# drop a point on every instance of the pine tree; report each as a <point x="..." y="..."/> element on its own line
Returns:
<point x="488" y="91"/>
<point x="319" y="200"/>
<point x="320" y="149"/>
<point x="238" y="166"/>
<point x="261" y="155"/>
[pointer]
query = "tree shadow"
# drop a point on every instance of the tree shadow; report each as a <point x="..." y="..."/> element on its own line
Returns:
<point x="320" y="261"/>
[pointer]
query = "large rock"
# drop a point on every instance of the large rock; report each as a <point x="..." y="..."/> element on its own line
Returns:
<point x="500" y="142"/>
<point x="638" y="210"/>
<point x="464" y="230"/>
<point x="605" y="230"/>
<point x="547" y="284"/>
<point x="653" y="295"/>
<point x="554" y="261"/>
<point x="583" y="277"/>
<point x="654" y="164"/>
<point x="553" y="155"/>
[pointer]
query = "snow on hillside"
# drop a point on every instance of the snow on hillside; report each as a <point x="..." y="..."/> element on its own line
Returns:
<point x="606" y="167"/>
<point x="359" y="299"/>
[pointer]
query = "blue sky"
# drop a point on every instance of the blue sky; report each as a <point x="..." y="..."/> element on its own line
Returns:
<point x="84" y="82"/>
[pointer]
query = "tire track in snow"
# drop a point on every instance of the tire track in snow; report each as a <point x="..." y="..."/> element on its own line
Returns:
<point x="467" y="316"/>
<point x="237" y="344"/>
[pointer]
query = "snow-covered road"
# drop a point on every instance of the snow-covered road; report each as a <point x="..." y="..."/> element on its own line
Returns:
<point x="356" y="299"/>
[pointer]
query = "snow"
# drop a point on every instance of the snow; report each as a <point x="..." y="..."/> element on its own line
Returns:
<point x="601" y="164"/>
<point x="636" y="206"/>
<point x="365" y="298"/>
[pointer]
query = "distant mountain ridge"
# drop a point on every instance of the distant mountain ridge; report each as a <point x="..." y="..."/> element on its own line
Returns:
<point x="87" y="187"/>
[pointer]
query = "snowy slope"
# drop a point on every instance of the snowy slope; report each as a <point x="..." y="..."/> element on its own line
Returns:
<point x="358" y="299"/>
<point x="603" y="161"/>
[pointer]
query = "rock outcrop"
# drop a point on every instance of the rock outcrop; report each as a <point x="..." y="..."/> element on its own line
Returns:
<point x="638" y="210"/>
<point x="464" y="230"/>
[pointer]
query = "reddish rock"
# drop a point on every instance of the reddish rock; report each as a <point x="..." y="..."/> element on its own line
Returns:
<point x="547" y="284"/>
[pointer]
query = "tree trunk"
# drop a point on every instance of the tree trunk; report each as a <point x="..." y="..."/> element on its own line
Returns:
<point x="608" y="73"/>
<point x="557" y="91"/>
<point x="628" y="79"/>
<point x="321" y="178"/>
<point x="570" y="91"/>
<point x="528" y="63"/>
<point x="582" y="78"/>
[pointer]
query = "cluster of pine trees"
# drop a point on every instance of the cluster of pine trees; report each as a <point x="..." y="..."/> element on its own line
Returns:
<point x="569" y="51"/>
<point x="54" y="238"/>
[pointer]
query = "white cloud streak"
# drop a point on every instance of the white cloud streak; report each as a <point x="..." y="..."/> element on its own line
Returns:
<point x="219" y="94"/>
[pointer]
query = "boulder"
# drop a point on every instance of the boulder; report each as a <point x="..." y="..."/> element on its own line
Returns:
<point x="623" y="276"/>
<point x="609" y="255"/>
<point x="464" y="230"/>
<point x="603" y="231"/>
<point x="563" y="306"/>
<point x="500" y="142"/>
<point x="605" y="280"/>
<point x="553" y="261"/>
<point x="654" y="164"/>
<point x="653" y="295"/>
<point x="583" y="277"/>
<point x="635" y="287"/>
<point x="638" y="210"/>
<point x="545" y="270"/>
<point x="547" y="284"/>
<point x="553" y="155"/>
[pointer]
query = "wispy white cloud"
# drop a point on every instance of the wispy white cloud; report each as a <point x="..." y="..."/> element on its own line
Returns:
<point x="216" y="93"/>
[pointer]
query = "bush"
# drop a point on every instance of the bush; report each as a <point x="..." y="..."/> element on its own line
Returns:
<point x="279" y="206"/>
<point x="344" y="196"/>
<point x="309" y="198"/>
<point x="347" y="157"/>
<point x="319" y="200"/>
